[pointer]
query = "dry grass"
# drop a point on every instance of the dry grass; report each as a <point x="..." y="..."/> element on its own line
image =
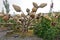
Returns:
<point x="25" y="34"/>
<point x="29" y="33"/>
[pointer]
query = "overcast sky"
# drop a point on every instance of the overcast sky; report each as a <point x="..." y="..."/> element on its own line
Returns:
<point x="28" y="4"/>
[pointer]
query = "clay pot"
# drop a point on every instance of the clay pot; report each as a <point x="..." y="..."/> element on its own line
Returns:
<point x="6" y="17"/>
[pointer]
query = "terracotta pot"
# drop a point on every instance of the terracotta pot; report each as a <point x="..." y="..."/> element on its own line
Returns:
<point x="6" y="17"/>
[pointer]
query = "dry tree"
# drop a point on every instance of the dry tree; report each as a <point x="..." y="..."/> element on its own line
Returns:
<point x="26" y="20"/>
<point x="22" y="18"/>
<point x="32" y="14"/>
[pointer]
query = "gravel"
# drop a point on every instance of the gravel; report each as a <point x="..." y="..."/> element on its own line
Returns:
<point x="3" y="37"/>
<point x="19" y="38"/>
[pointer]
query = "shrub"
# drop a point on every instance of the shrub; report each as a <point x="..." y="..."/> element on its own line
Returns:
<point x="31" y="28"/>
<point x="12" y="21"/>
<point x="45" y="30"/>
<point x="1" y="20"/>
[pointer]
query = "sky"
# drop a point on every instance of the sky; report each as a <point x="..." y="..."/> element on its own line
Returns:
<point x="24" y="4"/>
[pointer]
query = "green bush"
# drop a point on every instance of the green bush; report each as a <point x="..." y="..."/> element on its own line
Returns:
<point x="1" y="20"/>
<point x="12" y="21"/>
<point x="45" y="30"/>
<point x="31" y="28"/>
